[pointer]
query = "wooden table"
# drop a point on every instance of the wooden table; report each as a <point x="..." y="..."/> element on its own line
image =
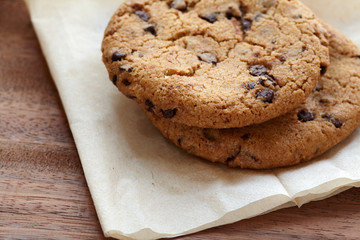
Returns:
<point x="43" y="192"/>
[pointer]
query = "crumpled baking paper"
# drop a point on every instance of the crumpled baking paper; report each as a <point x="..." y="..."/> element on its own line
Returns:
<point x="144" y="187"/>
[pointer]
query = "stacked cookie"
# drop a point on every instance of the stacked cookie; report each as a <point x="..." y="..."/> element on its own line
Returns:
<point x="252" y="84"/>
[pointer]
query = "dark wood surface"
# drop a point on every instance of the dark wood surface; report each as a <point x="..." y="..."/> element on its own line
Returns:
<point x="43" y="192"/>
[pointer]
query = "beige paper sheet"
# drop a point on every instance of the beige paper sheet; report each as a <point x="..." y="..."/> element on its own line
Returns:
<point x="143" y="187"/>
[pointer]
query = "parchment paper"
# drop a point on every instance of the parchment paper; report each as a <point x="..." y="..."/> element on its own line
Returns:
<point x="143" y="187"/>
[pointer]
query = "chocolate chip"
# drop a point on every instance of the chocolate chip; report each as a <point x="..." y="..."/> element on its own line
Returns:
<point x="246" y="24"/>
<point x="258" y="70"/>
<point x="143" y="15"/>
<point x="266" y="79"/>
<point x="179" y="141"/>
<point x="337" y="123"/>
<point x="170" y="113"/>
<point x="246" y="136"/>
<point x="208" y="57"/>
<point x="126" y="68"/>
<point x="151" y="29"/>
<point x="305" y="116"/>
<point x="331" y="118"/>
<point x="323" y="70"/>
<point x="118" y="56"/>
<point x="282" y="58"/>
<point x="149" y="105"/>
<point x="179" y="5"/>
<point x="114" y="79"/>
<point x="251" y="85"/>
<point x="266" y="95"/>
<point x="126" y="82"/>
<point x="262" y="81"/>
<point x="211" y="18"/>
<point x="229" y="15"/>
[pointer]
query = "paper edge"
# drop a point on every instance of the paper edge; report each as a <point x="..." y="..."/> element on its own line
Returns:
<point x="225" y="219"/>
<point x="228" y="218"/>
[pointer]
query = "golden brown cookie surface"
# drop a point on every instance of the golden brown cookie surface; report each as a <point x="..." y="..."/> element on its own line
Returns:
<point x="215" y="64"/>
<point x="330" y="113"/>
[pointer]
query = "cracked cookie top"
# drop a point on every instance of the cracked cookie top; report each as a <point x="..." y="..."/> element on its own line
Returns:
<point x="215" y="63"/>
<point x="330" y="114"/>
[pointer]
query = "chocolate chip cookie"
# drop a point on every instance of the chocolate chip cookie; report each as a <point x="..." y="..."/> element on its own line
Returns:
<point x="215" y="63"/>
<point x="330" y="113"/>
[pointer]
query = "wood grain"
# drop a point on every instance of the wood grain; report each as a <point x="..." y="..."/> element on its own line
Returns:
<point x="43" y="192"/>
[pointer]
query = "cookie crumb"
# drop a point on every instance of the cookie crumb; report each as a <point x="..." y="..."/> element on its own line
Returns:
<point x="179" y="5"/>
